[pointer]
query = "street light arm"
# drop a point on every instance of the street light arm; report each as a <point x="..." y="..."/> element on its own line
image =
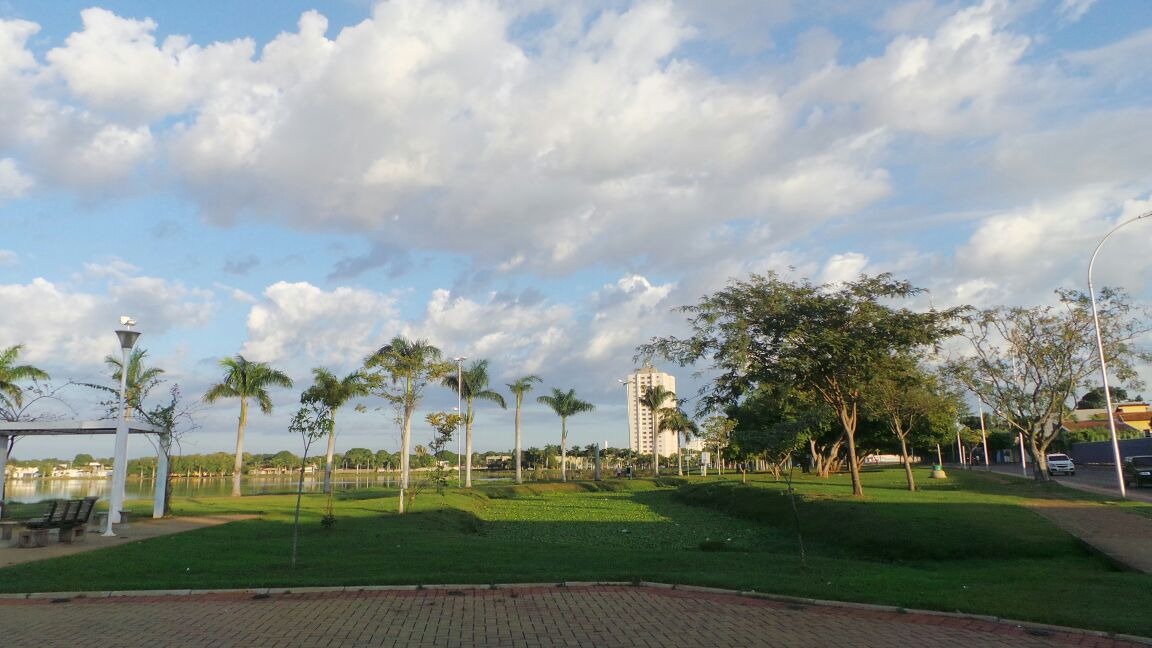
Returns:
<point x="1100" y="351"/>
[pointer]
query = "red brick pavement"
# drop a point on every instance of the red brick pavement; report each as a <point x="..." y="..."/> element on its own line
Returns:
<point x="601" y="616"/>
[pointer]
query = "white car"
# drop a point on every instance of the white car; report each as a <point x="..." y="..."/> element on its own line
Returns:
<point x="1061" y="463"/>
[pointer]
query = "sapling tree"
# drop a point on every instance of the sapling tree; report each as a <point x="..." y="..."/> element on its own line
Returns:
<point x="312" y="421"/>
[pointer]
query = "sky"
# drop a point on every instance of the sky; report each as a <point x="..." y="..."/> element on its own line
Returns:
<point x="539" y="183"/>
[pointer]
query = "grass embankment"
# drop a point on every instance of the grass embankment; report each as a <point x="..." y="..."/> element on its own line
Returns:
<point x="965" y="544"/>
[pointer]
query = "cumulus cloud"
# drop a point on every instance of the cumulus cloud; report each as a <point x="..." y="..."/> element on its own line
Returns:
<point x="13" y="183"/>
<point x="305" y="325"/>
<point x="69" y="326"/>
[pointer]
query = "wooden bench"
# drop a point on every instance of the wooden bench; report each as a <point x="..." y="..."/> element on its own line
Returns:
<point x="68" y="517"/>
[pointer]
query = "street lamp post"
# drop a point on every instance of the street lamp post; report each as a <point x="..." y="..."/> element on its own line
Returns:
<point x="627" y="406"/>
<point x="459" y="360"/>
<point x="1100" y="351"/>
<point x="127" y="339"/>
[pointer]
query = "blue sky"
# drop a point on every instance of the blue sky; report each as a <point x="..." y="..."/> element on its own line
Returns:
<point x="537" y="183"/>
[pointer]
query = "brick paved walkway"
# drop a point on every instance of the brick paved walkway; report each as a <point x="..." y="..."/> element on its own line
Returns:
<point x="601" y="616"/>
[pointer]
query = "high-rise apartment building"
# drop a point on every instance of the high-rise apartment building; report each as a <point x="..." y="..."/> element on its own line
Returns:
<point x="640" y="432"/>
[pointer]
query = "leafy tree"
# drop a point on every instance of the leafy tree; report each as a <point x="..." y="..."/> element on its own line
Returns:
<point x="717" y="433"/>
<point x="245" y="380"/>
<point x="519" y="387"/>
<point x="819" y="338"/>
<point x="565" y="404"/>
<point x="774" y="421"/>
<point x="910" y="400"/>
<point x="400" y="370"/>
<point x="1094" y="398"/>
<point x="334" y="393"/>
<point x="356" y="457"/>
<point x="311" y="421"/>
<point x="82" y="459"/>
<point x="472" y="384"/>
<point x="654" y="398"/>
<point x="1027" y="363"/>
<point x="12" y="374"/>
<point x="444" y="425"/>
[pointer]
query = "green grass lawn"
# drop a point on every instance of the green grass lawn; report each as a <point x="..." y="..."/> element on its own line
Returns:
<point x="963" y="544"/>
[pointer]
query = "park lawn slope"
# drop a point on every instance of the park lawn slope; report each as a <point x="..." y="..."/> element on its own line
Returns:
<point x="968" y="544"/>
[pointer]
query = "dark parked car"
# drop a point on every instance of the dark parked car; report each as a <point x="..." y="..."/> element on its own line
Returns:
<point x="1138" y="470"/>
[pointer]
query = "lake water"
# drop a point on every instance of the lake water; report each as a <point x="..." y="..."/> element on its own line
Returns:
<point x="36" y="490"/>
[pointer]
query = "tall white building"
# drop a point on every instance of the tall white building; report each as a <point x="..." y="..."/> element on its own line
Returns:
<point x="640" y="432"/>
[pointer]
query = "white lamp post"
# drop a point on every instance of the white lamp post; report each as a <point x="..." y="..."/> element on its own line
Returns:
<point x="1100" y="350"/>
<point x="627" y="406"/>
<point x="127" y="339"/>
<point x="459" y="410"/>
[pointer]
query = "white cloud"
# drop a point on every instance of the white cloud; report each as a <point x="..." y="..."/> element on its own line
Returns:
<point x="69" y="328"/>
<point x="8" y="258"/>
<point x="164" y="79"/>
<point x="305" y="325"/>
<point x="961" y="79"/>
<point x="626" y="314"/>
<point x="13" y="183"/>
<point x="1072" y="10"/>
<point x="842" y="268"/>
<point x="527" y="335"/>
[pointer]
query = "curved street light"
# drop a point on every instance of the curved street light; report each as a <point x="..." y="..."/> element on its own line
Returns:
<point x="1100" y="350"/>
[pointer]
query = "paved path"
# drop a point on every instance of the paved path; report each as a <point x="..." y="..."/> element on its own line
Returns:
<point x="134" y="531"/>
<point x="600" y="616"/>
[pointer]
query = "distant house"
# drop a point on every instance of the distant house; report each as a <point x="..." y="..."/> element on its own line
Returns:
<point x="1132" y="419"/>
<point x="22" y="472"/>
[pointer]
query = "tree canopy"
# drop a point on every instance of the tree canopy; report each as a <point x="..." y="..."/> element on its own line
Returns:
<point x="826" y="339"/>
<point x="1027" y="364"/>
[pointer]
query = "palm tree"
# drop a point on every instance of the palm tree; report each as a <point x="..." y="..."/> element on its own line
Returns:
<point x="141" y="379"/>
<point x="245" y="379"/>
<point x="565" y="404"/>
<point x="654" y="398"/>
<point x="334" y="393"/>
<point x="471" y="384"/>
<point x="675" y="420"/>
<point x="518" y="388"/>
<point x="11" y="395"/>
<point x="408" y="366"/>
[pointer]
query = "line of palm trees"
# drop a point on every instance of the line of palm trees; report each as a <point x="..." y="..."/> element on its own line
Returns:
<point x="398" y="372"/>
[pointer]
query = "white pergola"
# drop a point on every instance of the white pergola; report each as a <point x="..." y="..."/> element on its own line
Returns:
<point x="67" y="428"/>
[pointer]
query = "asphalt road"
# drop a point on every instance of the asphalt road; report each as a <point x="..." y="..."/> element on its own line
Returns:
<point x="1096" y="479"/>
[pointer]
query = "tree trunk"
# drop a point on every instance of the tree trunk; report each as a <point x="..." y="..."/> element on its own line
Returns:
<point x="328" y="458"/>
<point x="238" y="466"/>
<point x="519" y="476"/>
<point x="848" y="420"/>
<point x="655" y="444"/>
<point x="907" y="463"/>
<point x="468" y="447"/>
<point x="679" y="457"/>
<point x="563" y="450"/>
<point x="405" y="439"/>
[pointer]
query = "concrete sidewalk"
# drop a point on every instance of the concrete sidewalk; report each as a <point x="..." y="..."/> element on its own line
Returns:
<point x="521" y="616"/>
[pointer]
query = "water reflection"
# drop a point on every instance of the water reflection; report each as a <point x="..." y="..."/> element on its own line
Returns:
<point x="36" y="490"/>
